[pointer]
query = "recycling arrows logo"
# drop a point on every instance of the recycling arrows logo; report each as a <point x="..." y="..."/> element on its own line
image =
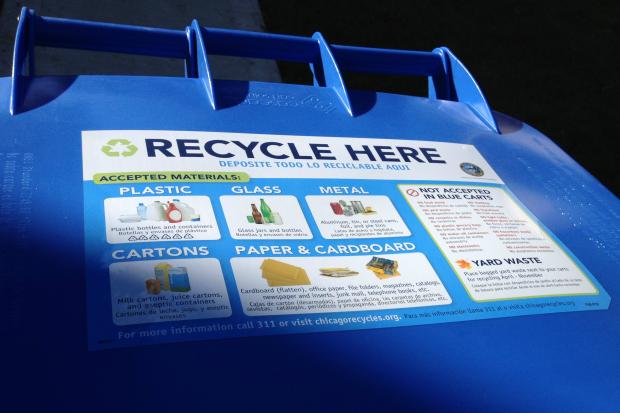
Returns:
<point x="119" y="147"/>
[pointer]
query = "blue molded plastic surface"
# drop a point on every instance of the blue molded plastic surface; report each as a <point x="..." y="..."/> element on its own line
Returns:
<point x="448" y="78"/>
<point x="566" y="362"/>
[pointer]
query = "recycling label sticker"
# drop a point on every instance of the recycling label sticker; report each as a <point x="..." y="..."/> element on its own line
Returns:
<point x="203" y="235"/>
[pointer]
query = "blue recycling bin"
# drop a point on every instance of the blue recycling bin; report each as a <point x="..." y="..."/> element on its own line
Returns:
<point x="195" y="244"/>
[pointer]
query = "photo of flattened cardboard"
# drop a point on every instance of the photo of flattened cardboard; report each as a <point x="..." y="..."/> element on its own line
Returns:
<point x="299" y="278"/>
<point x="279" y="270"/>
<point x="278" y="277"/>
<point x="278" y="273"/>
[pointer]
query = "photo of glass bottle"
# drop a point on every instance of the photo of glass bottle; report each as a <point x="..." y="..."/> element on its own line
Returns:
<point x="263" y="214"/>
<point x="256" y="215"/>
<point x="266" y="211"/>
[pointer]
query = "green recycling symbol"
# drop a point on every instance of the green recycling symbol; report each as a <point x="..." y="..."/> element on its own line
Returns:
<point x="119" y="147"/>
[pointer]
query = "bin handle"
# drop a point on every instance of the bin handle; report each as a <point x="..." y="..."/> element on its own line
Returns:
<point x="448" y="77"/>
